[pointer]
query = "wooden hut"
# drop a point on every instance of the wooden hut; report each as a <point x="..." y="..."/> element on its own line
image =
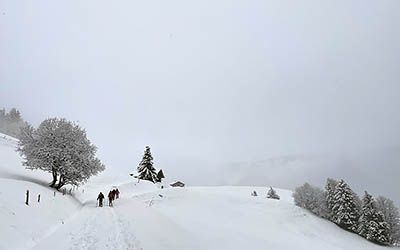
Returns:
<point x="177" y="184"/>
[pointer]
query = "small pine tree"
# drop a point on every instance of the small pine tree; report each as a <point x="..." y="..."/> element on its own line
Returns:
<point x="373" y="226"/>
<point x="345" y="210"/>
<point x="272" y="194"/>
<point x="145" y="169"/>
<point x="160" y="176"/>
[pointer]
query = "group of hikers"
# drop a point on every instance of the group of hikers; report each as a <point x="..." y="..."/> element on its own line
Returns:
<point x="112" y="195"/>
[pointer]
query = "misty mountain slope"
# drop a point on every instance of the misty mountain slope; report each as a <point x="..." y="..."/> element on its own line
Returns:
<point x="23" y="226"/>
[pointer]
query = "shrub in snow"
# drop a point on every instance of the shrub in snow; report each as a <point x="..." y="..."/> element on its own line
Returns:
<point x="392" y="217"/>
<point x="372" y="223"/>
<point x="60" y="147"/>
<point x="311" y="198"/>
<point x="254" y="193"/>
<point x="146" y="171"/>
<point x="345" y="208"/>
<point x="272" y="194"/>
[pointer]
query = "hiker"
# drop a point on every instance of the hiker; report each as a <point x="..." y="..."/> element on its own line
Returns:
<point x="116" y="193"/>
<point x="110" y="198"/>
<point x="100" y="199"/>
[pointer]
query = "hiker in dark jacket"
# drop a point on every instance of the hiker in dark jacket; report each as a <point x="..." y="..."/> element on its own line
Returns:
<point x="110" y="198"/>
<point x="116" y="193"/>
<point x="100" y="198"/>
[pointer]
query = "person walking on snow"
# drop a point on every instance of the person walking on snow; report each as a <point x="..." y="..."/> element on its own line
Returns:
<point x="100" y="198"/>
<point x="110" y="198"/>
<point x="116" y="193"/>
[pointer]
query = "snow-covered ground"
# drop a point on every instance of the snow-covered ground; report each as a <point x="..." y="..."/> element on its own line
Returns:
<point x="147" y="217"/>
<point x="22" y="226"/>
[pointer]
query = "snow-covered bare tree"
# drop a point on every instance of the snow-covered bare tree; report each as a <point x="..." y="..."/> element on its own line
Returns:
<point x="62" y="148"/>
<point x="392" y="217"/>
<point x="345" y="207"/>
<point x="146" y="171"/>
<point x="311" y="198"/>
<point x="372" y="222"/>
<point x="272" y="194"/>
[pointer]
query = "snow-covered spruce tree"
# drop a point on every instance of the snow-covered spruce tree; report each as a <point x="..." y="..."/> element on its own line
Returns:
<point x="272" y="194"/>
<point x="146" y="171"/>
<point x="345" y="207"/>
<point x="330" y="189"/>
<point x="60" y="147"/>
<point x="311" y="198"/>
<point x="373" y="226"/>
<point x="392" y="217"/>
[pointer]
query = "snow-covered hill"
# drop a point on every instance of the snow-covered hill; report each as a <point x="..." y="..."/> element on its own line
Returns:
<point x="146" y="217"/>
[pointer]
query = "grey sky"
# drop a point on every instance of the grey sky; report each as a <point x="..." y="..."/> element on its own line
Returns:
<point x="207" y="82"/>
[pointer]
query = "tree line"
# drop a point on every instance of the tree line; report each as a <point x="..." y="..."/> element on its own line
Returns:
<point x="11" y="122"/>
<point x="376" y="219"/>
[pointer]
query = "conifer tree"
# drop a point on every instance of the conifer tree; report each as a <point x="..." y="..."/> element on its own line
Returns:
<point x="373" y="226"/>
<point x="392" y="216"/>
<point x="330" y="193"/>
<point x="345" y="210"/>
<point x="160" y="176"/>
<point x="145" y="169"/>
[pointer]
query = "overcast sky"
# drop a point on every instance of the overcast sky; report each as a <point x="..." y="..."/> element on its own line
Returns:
<point x="207" y="82"/>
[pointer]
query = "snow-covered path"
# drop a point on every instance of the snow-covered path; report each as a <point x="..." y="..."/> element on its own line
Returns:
<point x="92" y="228"/>
<point x="118" y="228"/>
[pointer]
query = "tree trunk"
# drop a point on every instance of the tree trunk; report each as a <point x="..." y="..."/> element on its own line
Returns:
<point x="60" y="182"/>
<point x="54" y="173"/>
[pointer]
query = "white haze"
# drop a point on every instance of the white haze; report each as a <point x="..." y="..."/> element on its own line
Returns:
<point x="208" y="84"/>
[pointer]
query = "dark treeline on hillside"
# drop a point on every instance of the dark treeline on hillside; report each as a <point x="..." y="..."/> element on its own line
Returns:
<point x="376" y="219"/>
<point x="11" y="122"/>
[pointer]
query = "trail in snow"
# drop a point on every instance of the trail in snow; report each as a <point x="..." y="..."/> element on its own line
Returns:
<point x="92" y="229"/>
<point x="119" y="228"/>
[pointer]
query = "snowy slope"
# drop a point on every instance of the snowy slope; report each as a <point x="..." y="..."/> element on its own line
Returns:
<point x="200" y="218"/>
<point x="23" y="226"/>
<point x="146" y="217"/>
